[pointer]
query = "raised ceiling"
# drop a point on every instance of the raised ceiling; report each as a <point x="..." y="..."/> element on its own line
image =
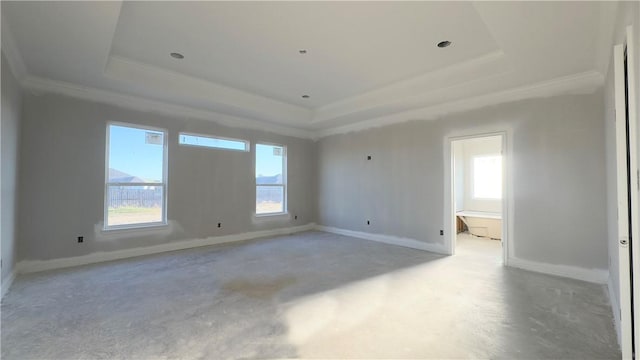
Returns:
<point x="351" y="48"/>
<point x="365" y="61"/>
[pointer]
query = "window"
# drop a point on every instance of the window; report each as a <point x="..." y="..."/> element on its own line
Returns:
<point x="271" y="179"/>
<point x="136" y="185"/>
<point x="487" y="177"/>
<point x="213" y="142"/>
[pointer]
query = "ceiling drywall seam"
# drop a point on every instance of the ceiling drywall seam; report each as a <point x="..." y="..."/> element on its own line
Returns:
<point x="604" y="40"/>
<point x="37" y="84"/>
<point x="113" y="34"/>
<point x="10" y="50"/>
<point x="388" y="94"/>
<point x="128" y="70"/>
<point x="586" y="82"/>
<point x="444" y="93"/>
<point x="27" y="81"/>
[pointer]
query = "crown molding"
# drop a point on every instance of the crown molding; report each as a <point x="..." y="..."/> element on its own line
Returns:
<point x="606" y="31"/>
<point x="586" y="82"/>
<point x="420" y="86"/>
<point x="11" y="52"/>
<point x="133" y="102"/>
<point x="220" y="97"/>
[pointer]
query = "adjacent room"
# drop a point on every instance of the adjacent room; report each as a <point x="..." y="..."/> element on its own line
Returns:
<point x="340" y="180"/>
<point x="478" y="195"/>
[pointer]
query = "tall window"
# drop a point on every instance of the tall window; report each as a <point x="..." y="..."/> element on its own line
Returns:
<point x="487" y="177"/>
<point x="136" y="177"/>
<point x="271" y="179"/>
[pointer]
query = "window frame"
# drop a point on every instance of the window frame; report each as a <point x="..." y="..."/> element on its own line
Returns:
<point x="473" y="177"/>
<point x="285" y="197"/>
<point x="246" y="142"/>
<point x="165" y="172"/>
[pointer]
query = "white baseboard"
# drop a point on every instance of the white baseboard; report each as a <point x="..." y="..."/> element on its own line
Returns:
<point x="387" y="239"/>
<point x="597" y="276"/>
<point x="30" y="266"/>
<point x="615" y="307"/>
<point x="6" y="284"/>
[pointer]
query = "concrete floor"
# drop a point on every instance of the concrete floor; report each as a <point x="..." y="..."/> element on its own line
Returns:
<point x="313" y="295"/>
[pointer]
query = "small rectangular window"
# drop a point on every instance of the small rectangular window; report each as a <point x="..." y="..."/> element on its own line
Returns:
<point x="135" y="186"/>
<point x="213" y="142"/>
<point x="271" y="194"/>
<point x="487" y="177"/>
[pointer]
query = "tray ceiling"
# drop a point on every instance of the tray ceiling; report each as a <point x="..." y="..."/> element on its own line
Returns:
<point x="364" y="61"/>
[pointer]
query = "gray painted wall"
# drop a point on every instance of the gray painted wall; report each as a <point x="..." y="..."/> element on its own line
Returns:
<point x="62" y="180"/>
<point x="9" y="134"/>
<point x="558" y="173"/>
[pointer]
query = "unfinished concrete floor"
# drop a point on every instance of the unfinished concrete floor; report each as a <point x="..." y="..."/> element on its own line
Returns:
<point x="307" y="295"/>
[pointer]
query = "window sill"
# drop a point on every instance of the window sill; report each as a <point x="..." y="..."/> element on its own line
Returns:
<point x="135" y="228"/>
<point x="272" y="216"/>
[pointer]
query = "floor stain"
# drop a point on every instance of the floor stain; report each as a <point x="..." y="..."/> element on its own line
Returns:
<point x="259" y="288"/>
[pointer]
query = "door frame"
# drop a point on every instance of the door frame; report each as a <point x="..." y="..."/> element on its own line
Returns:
<point x="627" y="191"/>
<point x="635" y="172"/>
<point x="507" y="191"/>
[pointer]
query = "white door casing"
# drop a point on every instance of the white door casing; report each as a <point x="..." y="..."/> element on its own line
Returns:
<point x="624" y="255"/>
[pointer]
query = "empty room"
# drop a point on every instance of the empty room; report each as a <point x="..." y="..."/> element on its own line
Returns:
<point x="338" y="180"/>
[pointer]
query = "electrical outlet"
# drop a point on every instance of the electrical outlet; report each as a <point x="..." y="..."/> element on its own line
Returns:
<point x="295" y="217"/>
<point x="219" y="224"/>
<point x="441" y="232"/>
<point x="80" y="239"/>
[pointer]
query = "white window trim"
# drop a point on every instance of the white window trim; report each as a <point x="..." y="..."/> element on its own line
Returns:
<point x="246" y="142"/>
<point x="165" y="157"/>
<point x="284" y="214"/>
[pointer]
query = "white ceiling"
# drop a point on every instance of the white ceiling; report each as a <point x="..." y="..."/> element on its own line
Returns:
<point x="365" y="61"/>
<point x="351" y="47"/>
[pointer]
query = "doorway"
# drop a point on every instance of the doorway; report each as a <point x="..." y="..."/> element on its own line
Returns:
<point x="627" y="179"/>
<point x="478" y="201"/>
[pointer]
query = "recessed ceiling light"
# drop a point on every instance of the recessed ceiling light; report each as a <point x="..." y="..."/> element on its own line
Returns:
<point x="444" y="44"/>
<point x="177" y="55"/>
<point x="305" y="96"/>
<point x="302" y="51"/>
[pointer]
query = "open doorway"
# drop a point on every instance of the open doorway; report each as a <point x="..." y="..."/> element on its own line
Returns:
<point x="477" y="184"/>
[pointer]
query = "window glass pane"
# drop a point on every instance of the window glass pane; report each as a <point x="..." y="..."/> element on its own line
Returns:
<point x="487" y="177"/>
<point x="134" y="205"/>
<point x="269" y="199"/>
<point x="213" y="142"/>
<point x="269" y="164"/>
<point x="135" y="155"/>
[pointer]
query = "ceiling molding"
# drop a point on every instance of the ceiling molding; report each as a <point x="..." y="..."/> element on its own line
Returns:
<point x="604" y="41"/>
<point x="420" y="86"/>
<point x="582" y="83"/>
<point x="519" y="52"/>
<point x="38" y="84"/>
<point x="112" y="36"/>
<point x="228" y="99"/>
<point x="586" y="82"/>
<point x="10" y="50"/>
